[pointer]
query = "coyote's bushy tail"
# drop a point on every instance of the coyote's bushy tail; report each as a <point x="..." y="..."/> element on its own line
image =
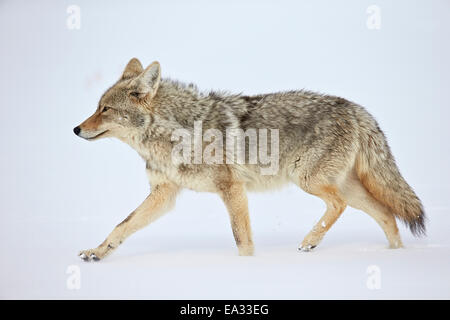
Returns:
<point x="378" y="172"/>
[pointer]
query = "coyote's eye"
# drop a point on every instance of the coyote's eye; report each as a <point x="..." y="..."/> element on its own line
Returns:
<point x="105" y="109"/>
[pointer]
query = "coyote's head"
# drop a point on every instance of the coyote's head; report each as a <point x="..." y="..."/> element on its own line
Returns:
<point x="124" y="109"/>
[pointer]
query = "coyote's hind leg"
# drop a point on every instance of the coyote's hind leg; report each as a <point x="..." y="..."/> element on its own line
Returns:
<point x="335" y="206"/>
<point x="359" y="198"/>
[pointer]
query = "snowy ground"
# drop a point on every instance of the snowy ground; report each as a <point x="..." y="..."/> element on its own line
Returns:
<point x="60" y="194"/>
<point x="191" y="255"/>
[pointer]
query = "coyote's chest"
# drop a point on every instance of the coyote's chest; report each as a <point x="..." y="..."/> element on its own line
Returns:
<point x="161" y="166"/>
<point x="197" y="179"/>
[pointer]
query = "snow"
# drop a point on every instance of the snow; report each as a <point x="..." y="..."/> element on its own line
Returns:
<point x="191" y="254"/>
<point x="60" y="194"/>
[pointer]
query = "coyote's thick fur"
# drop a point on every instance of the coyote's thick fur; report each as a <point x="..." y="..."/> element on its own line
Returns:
<point x="328" y="146"/>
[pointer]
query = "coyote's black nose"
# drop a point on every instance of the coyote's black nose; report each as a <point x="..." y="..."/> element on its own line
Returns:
<point x="76" y="130"/>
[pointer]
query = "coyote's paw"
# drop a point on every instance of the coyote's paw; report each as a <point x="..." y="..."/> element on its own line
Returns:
<point x="246" y="250"/>
<point x="306" y="248"/>
<point x="92" y="254"/>
<point x="310" y="242"/>
<point x="395" y="243"/>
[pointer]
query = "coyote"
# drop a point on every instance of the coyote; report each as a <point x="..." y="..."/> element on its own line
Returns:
<point x="328" y="146"/>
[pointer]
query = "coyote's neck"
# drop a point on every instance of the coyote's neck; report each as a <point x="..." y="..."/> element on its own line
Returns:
<point x="179" y="106"/>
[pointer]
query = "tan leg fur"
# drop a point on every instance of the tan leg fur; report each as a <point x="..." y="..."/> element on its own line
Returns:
<point x="160" y="200"/>
<point x="235" y="198"/>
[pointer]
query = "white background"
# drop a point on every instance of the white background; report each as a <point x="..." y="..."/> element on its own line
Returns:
<point x="61" y="194"/>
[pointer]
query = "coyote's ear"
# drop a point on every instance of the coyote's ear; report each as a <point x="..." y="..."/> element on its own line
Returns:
<point x="147" y="82"/>
<point x="133" y="69"/>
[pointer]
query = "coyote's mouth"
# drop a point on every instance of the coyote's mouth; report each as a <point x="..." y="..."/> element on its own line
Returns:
<point x="97" y="136"/>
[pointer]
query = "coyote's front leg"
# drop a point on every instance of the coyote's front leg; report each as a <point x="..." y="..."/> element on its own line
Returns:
<point x="235" y="198"/>
<point x="160" y="200"/>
